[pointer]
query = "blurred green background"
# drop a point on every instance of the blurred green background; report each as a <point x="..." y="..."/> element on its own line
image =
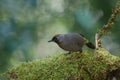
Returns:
<point x="27" y="25"/>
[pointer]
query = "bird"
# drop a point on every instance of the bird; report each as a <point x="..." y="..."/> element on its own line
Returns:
<point x="72" y="42"/>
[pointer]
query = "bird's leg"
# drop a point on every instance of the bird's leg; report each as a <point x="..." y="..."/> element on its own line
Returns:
<point x="69" y="52"/>
<point x="80" y="51"/>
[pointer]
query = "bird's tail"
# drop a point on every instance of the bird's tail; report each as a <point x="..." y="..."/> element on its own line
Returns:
<point x="89" y="44"/>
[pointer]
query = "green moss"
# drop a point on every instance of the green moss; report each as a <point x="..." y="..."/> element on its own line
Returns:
<point x="75" y="66"/>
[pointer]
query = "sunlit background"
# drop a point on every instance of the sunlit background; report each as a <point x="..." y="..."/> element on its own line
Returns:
<point x="27" y="25"/>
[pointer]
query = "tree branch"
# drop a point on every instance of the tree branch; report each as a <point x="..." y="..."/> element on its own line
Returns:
<point x="108" y="26"/>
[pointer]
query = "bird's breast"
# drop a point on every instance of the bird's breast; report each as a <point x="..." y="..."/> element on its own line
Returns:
<point x="71" y="46"/>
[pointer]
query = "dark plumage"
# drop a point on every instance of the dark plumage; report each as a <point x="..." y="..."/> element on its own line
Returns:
<point x="71" y="42"/>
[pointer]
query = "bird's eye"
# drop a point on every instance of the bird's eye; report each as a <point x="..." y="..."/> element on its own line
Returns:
<point x="55" y="39"/>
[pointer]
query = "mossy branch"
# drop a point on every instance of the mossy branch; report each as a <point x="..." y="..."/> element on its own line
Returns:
<point x="87" y="66"/>
<point x="108" y="26"/>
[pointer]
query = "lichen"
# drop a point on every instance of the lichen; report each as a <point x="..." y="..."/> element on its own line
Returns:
<point x="90" y="65"/>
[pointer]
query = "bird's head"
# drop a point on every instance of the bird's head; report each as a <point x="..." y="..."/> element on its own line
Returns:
<point x="56" y="38"/>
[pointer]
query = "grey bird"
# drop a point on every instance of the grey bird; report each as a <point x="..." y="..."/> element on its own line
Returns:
<point x="72" y="42"/>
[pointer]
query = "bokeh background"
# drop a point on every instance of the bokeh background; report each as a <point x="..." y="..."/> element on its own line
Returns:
<point x="27" y="25"/>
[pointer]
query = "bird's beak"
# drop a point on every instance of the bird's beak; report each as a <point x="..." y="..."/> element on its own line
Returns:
<point x="50" y="41"/>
